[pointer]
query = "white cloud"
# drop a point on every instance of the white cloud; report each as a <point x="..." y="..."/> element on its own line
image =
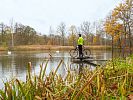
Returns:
<point x="41" y="14"/>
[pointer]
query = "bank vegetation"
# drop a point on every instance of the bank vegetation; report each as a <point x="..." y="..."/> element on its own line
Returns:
<point x="112" y="81"/>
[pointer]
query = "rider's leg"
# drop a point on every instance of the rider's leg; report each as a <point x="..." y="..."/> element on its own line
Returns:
<point x="80" y="50"/>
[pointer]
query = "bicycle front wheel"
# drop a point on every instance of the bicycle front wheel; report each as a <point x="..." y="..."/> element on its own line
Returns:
<point x="73" y="53"/>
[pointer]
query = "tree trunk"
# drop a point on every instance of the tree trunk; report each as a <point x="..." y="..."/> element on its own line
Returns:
<point x="130" y="42"/>
<point x="112" y="47"/>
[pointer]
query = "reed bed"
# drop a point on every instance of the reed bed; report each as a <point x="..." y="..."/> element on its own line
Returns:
<point x="111" y="82"/>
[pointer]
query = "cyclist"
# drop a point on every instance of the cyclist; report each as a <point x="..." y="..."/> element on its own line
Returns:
<point x="80" y="43"/>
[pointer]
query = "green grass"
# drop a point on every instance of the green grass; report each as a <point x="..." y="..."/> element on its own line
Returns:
<point x="111" y="82"/>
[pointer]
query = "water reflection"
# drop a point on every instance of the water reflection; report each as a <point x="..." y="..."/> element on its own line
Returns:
<point x="15" y="65"/>
<point x="80" y="67"/>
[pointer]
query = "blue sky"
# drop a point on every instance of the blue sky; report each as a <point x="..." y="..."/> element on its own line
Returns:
<point x="41" y="14"/>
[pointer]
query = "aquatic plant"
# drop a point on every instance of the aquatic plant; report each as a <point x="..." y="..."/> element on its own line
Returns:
<point x="113" y="81"/>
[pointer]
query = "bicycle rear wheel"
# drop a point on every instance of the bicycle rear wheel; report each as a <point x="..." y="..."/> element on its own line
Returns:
<point x="73" y="53"/>
<point x="87" y="52"/>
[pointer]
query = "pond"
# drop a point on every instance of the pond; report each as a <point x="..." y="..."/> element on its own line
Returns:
<point x="15" y="64"/>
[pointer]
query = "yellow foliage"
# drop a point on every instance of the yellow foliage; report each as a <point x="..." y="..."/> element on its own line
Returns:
<point x="72" y="39"/>
<point x="94" y="39"/>
<point x="114" y="24"/>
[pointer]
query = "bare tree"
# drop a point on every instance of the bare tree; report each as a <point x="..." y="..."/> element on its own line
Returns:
<point x="5" y="34"/>
<point x="12" y="30"/>
<point x="51" y="35"/>
<point x="85" y="29"/>
<point x="61" y="29"/>
<point x="73" y="35"/>
<point x="99" y="32"/>
<point x="2" y="32"/>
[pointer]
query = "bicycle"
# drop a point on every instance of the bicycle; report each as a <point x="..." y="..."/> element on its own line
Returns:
<point x="74" y="52"/>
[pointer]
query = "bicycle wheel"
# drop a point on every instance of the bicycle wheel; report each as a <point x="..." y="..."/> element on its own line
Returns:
<point x="86" y="52"/>
<point x="73" y="53"/>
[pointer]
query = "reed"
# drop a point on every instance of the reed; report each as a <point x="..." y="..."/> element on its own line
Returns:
<point x="113" y="81"/>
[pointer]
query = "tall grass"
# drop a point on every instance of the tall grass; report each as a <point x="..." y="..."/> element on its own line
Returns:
<point x="113" y="81"/>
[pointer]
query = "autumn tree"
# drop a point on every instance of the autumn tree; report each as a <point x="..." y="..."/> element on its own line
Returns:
<point x="72" y="38"/>
<point x="120" y="24"/>
<point x="24" y="35"/>
<point x="114" y="29"/>
<point x="124" y="14"/>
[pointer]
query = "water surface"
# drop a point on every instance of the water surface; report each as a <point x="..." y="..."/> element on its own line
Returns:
<point x="15" y="64"/>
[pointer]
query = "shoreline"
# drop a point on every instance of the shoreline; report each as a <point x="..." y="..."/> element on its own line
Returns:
<point x="52" y="47"/>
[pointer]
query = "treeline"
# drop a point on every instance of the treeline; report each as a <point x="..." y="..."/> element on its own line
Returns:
<point x="19" y="34"/>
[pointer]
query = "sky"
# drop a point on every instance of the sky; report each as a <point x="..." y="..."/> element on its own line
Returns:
<point x="41" y="14"/>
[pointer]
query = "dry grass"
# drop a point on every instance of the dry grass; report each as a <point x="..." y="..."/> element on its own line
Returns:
<point x="52" y="47"/>
<point x="113" y="81"/>
<point x="3" y="48"/>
